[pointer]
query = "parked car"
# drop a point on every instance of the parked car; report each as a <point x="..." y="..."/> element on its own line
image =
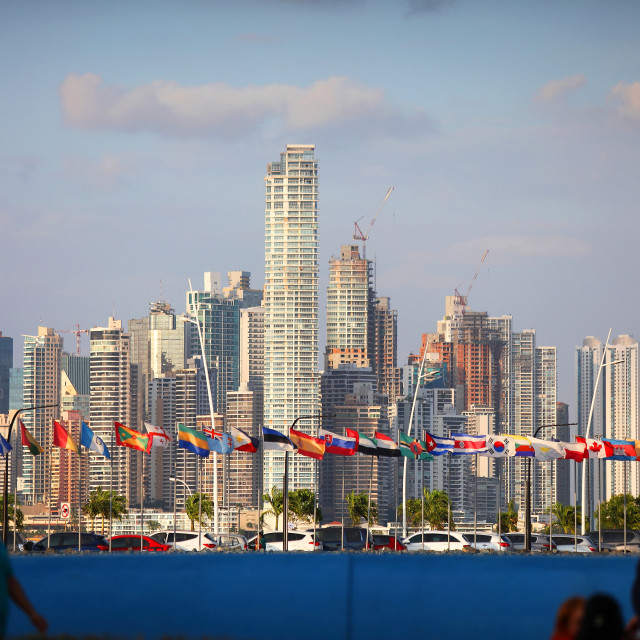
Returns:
<point x="437" y="541"/>
<point x="187" y="540"/>
<point x="567" y="544"/>
<point x="297" y="541"/>
<point x="489" y="541"/>
<point x="539" y="542"/>
<point x="63" y="540"/>
<point x="613" y="540"/>
<point x="355" y="538"/>
<point x="385" y="541"/>
<point x="229" y="541"/>
<point x="20" y="540"/>
<point x="132" y="543"/>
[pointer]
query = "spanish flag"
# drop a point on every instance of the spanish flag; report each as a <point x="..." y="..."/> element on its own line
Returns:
<point x="62" y="439"/>
<point x="126" y="437"/>
<point x="29" y="441"/>
<point x="307" y="445"/>
<point x="193" y="440"/>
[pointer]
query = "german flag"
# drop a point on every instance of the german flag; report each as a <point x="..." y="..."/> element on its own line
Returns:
<point x="126" y="437"/>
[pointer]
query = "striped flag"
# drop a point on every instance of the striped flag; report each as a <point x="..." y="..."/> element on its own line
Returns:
<point x="437" y="445"/>
<point x="5" y="446"/>
<point x="365" y="445"/>
<point x="273" y="440"/>
<point x="62" y="439"/>
<point x="463" y="443"/>
<point x="193" y="440"/>
<point x="307" y="445"/>
<point x="386" y="446"/>
<point x="91" y="441"/>
<point x="29" y="441"/>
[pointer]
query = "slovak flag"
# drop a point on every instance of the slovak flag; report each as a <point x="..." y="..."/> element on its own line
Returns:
<point x="338" y="445"/>
<point x="438" y="446"/>
<point x="468" y="444"/>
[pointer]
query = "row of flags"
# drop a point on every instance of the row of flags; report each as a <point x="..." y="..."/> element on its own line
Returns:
<point x="203" y="442"/>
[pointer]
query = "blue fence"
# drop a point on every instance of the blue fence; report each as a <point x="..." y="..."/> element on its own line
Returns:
<point x="291" y="596"/>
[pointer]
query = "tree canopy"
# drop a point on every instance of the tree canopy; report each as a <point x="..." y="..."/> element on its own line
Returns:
<point x="98" y="506"/>
<point x="358" y="506"/>
<point x="193" y="508"/>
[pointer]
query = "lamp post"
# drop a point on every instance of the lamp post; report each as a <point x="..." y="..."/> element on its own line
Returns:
<point x="175" y="481"/>
<point x="527" y="512"/>
<point x="5" y="492"/>
<point x="585" y="506"/>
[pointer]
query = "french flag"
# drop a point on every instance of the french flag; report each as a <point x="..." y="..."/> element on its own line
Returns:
<point x="463" y="443"/>
<point x="338" y="445"/>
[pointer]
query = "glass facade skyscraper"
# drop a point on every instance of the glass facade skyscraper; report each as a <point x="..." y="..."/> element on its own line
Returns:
<point x="291" y="378"/>
<point x="6" y="363"/>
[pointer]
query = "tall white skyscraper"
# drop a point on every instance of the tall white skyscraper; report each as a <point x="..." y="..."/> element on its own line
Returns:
<point x="291" y="379"/>
<point x="615" y="411"/>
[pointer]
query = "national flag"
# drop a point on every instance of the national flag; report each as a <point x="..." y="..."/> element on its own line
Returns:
<point x="307" y="445"/>
<point x="244" y="442"/>
<point x="414" y="448"/>
<point x="62" y="439"/>
<point x="365" y="445"/>
<point x="386" y="446"/>
<point x="159" y="437"/>
<point x="596" y="449"/>
<point x="91" y="441"/>
<point x="437" y="445"/>
<point x="273" y="440"/>
<point x="547" y="449"/>
<point x="337" y="445"/>
<point x="497" y="446"/>
<point x="127" y="437"/>
<point x="574" y="451"/>
<point x="193" y="440"/>
<point x="5" y="446"/>
<point x="221" y="443"/>
<point x="621" y="449"/>
<point x="468" y="444"/>
<point x="29" y="441"/>
<point x="520" y="447"/>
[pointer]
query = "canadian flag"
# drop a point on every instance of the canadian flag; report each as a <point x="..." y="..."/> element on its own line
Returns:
<point x="596" y="449"/>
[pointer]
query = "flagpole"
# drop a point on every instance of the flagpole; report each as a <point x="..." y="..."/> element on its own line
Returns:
<point x="112" y="453"/>
<point x="285" y="503"/>
<point x="79" y="497"/>
<point x="15" y="496"/>
<point x="499" y="463"/>
<point x="449" y="503"/>
<point x="175" y="484"/>
<point x="422" y="501"/>
<point x="475" y="504"/>
<point x="369" y="505"/>
<point x="315" y="495"/>
<point x="49" y="500"/>
<point x="199" y="488"/>
<point x="575" y="502"/>
<point x="342" y="509"/>
<point x="216" y="514"/>
<point x="600" y="492"/>
<point x="141" y="500"/>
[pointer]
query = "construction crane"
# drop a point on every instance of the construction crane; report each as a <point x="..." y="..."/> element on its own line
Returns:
<point x="78" y="331"/>
<point x="357" y="231"/>
<point x="462" y="300"/>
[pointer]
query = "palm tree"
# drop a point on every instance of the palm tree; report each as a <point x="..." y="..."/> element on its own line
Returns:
<point x="509" y="518"/>
<point x="301" y="502"/>
<point x="613" y="513"/>
<point x="11" y="511"/>
<point x="98" y="505"/>
<point x="566" y="516"/>
<point x="358" y="505"/>
<point x="436" y="509"/>
<point x="414" y="512"/>
<point x="193" y="508"/>
<point x="153" y="525"/>
<point x="275" y="500"/>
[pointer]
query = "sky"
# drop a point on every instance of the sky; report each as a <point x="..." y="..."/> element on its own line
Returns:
<point x="134" y="139"/>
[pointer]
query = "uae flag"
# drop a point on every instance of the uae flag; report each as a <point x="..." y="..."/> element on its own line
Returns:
<point x="275" y="441"/>
<point x="386" y="446"/>
<point x="364" y="445"/>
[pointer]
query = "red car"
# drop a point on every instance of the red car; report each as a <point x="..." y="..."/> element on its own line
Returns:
<point x="132" y="543"/>
<point x="387" y="542"/>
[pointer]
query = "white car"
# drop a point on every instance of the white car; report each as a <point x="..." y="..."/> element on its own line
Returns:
<point x="489" y="542"/>
<point x="298" y="541"/>
<point x="437" y="541"/>
<point x="187" y="540"/>
<point x="568" y="544"/>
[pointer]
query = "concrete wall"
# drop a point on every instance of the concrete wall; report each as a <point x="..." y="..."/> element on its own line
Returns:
<point x="291" y="596"/>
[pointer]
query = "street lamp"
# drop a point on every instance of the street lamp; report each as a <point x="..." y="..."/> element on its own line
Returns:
<point x="527" y="511"/>
<point x="175" y="481"/>
<point x="5" y="493"/>
<point x="603" y="364"/>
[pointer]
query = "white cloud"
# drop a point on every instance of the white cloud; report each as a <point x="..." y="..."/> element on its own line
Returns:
<point x="558" y="88"/>
<point x="168" y="108"/>
<point x="627" y="96"/>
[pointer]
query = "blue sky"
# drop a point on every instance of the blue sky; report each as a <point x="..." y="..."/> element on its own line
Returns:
<point x="134" y="139"/>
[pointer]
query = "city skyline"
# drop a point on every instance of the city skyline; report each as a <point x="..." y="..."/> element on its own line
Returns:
<point x="512" y="129"/>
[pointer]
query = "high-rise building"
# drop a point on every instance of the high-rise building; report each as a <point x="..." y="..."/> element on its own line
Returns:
<point x="615" y="410"/>
<point x="112" y="400"/>
<point x="386" y="349"/>
<point x="74" y="385"/>
<point x="41" y="386"/>
<point x="162" y="413"/>
<point x="6" y="364"/>
<point x="16" y="388"/>
<point x="291" y="379"/>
